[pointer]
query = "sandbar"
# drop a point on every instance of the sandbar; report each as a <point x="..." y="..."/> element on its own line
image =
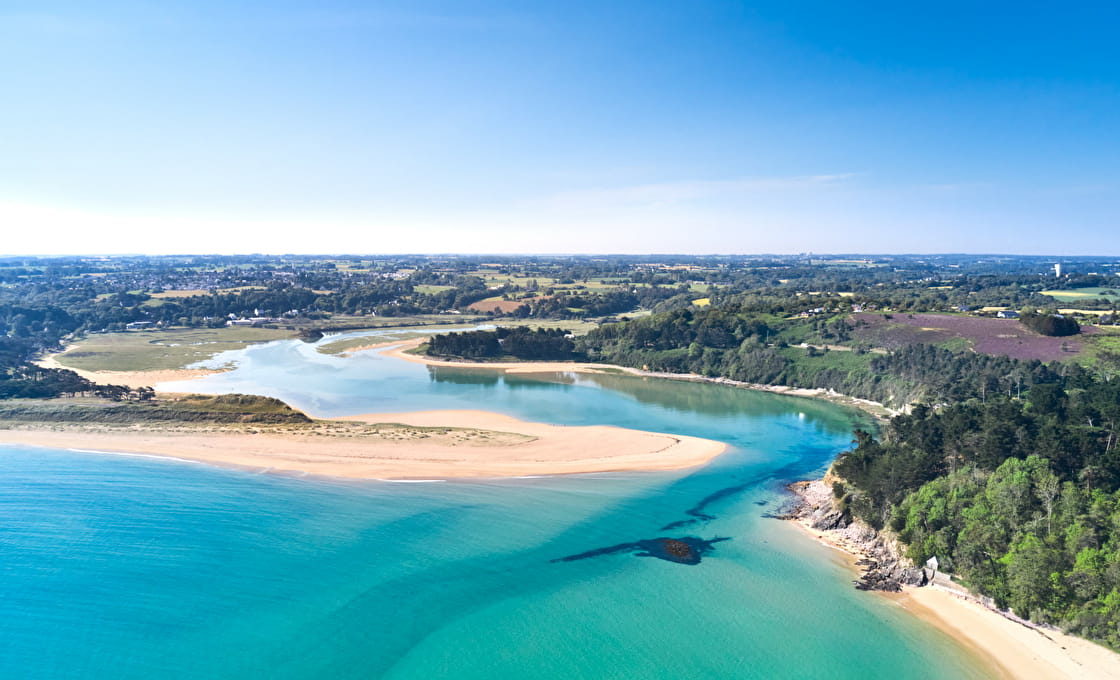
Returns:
<point x="422" y="445"/>
<point x="400" y="350"/>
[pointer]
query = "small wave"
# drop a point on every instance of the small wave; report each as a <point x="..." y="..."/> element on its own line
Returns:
<point x="412" y="481"/>
<point x="138" y="455"/>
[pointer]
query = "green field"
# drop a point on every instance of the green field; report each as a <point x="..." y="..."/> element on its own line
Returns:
<point x="1101" y="349"/>
<point x="160" y="349"/>
<point x="1113" y="294"/>
<point x="431" y="289"/>
<point x="493" y="278"/>
<point x="833" y="359"/>
<point x="340" y="322"/>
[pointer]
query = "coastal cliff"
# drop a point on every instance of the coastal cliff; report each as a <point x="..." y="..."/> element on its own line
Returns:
<point x="880" y="557"/>
<point x="1016" y="648"/>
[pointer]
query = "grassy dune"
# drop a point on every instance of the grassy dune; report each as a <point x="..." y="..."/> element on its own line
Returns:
<point x="226" y="408"/>
<point x="230" y="414"/>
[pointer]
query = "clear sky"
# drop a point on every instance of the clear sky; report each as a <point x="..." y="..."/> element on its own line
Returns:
<point x="733" y="127"/>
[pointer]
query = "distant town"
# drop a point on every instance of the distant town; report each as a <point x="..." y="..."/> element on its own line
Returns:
<point x="137" y="293"/>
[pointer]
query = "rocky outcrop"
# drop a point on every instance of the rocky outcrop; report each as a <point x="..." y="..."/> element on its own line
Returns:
<point x="678" y="549"/>
<point x="881" y="558"/>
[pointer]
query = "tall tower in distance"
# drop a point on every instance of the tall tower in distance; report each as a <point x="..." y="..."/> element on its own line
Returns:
<point x="1058" y="269"/>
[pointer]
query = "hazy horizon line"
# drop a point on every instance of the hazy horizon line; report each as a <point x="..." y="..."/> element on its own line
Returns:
<point x="804" y="254"/>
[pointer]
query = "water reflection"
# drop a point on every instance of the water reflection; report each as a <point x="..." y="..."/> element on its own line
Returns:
<point x="457" y="376"/>
<point x="713" y="399"/>
<point x="489" y="376"/>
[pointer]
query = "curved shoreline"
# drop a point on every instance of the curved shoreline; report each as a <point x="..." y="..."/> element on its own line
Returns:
<point x="1010" y="647"/>
<point x="133" y="379"/>
<point x="982" y="631"/>
<point x="425" y="444"/>
<point x="401" y="351"/>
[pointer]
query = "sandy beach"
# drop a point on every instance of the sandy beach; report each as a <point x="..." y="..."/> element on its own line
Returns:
<point x="428" y="445"/>
<point x="1009" y="648"/>
<point x="480" y="444"/>
<point x="1017" y="650"/>
<point x="365" y="348"/>
<point x="402" y="351"/>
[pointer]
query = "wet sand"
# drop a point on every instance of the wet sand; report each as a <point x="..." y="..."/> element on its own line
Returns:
<point x="427" y="444"/>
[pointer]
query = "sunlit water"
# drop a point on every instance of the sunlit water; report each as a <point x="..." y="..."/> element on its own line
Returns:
<point x="133" y="567"/>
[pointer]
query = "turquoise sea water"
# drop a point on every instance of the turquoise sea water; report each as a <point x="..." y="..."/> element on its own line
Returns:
<point x="118" y="566"/>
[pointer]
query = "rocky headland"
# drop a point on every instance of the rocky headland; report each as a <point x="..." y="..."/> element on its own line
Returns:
<point x="1013" y="647"/>
<point x="881" y="559"/>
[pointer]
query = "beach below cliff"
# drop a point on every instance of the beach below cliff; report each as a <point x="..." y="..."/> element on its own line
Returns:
<point x="1010" y="647"/>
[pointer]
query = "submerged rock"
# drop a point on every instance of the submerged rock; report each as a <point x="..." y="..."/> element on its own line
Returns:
<point x="681" y="551"/>
<point x="685" y="550"/>
<point x="676" y="548"/>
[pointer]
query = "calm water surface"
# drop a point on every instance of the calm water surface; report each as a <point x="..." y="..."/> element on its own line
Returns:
<point x="118" y="566"/>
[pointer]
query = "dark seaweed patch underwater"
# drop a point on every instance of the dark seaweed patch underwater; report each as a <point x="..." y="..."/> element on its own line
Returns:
<point x="685" y="550"/>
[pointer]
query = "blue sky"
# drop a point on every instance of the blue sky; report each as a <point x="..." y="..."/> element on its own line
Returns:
<point x="648" y="126"/>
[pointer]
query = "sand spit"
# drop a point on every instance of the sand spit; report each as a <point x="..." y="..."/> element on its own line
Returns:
<point x="427" y="445"/>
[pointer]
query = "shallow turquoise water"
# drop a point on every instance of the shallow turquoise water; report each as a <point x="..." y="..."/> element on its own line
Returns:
<point x="134" y="567"/>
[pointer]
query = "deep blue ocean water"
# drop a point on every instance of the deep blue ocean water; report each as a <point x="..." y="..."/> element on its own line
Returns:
<point x="117" y="566"/>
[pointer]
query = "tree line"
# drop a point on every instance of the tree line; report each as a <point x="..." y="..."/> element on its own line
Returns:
<point x="542" y="344"/>
<point x="1054" y="325"/>
<point x="1020" y="498"/>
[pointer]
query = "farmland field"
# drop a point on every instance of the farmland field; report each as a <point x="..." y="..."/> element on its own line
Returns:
<point x="1005" y="337"/>
<point x="495" y="278"/>
<point x="1111" y="294"/>
<point x="431" y="289"/>
<point x="1085" y="312"/>
<point x="180" y="293"/>
<point x="489" y="304"/>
